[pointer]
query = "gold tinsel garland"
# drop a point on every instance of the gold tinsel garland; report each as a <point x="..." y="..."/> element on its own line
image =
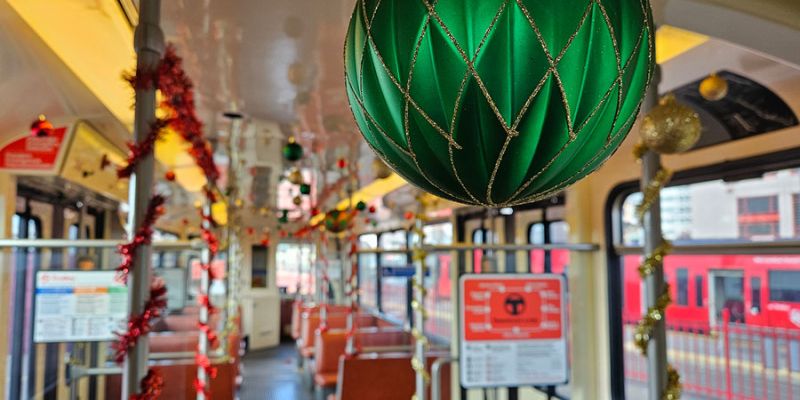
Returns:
<point x="656" y="312"/>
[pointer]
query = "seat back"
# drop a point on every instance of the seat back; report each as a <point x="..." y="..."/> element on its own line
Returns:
<point x="328" y="346"/>
<point x="386" y="376"/>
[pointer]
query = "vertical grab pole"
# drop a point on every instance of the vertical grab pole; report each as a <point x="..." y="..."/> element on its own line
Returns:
<point x="421" y="377"/>
<point x="654" y="283"/>
<point x="149" y="44"/>
<point x="205" y="282"/>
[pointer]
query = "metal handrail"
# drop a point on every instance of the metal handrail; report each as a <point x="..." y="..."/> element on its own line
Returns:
<point x="701" y="248"/>
<point x="436" y="376"/>
<point x="94" y="243"/>
<point x="580" y="247"/>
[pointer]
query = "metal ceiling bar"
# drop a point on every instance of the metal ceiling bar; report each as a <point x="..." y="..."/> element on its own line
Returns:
<point x="582" y="247"/>
<point x="733" y="248"/>
<point x="92" y="244"/>
<point x="149" y="44"/>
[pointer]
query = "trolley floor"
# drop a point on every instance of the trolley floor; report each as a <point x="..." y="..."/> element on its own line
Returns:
<point x="272" y="374"/>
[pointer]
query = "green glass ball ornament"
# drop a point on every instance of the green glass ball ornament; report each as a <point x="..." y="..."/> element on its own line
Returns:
<point x="292" y="151"/>
<point x="305" y="189"/>
<point x="361" y="206"/>
<point x="337" y="221"/>
<point x="495" y="102"/>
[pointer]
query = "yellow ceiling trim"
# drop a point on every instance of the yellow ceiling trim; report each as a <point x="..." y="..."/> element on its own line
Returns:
<point x="375" y="189"/>
<point x="94" y="40"/>
<point x="672" y="42"/>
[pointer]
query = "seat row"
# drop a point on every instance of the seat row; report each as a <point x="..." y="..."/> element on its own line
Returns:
<point x="179" y="334"/>
<point x="380" y="367"/>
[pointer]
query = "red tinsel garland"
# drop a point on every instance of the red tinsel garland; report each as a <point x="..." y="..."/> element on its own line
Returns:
<point x="150" y="387"/>
<point x="155" y="208"/>
<point x="139" y="325"/>
<point x="137" y="151"/>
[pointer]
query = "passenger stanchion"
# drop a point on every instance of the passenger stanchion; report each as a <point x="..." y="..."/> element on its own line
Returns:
<point x="207" y="337"/>
<point x="422" y="377"/>
<point x="650" y="335"/>
<point x="325" y="281"/>
<point x="351" y="348"/>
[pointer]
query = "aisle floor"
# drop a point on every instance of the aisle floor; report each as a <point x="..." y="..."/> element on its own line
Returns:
<point x="273" y="375"/>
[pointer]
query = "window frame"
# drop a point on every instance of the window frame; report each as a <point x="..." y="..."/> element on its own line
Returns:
<point x="739" y="169"/>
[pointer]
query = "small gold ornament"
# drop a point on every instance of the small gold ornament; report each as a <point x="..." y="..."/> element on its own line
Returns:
<point x="714" y="88"/>
<point x="295" y="176"/>
<point x="670" y="127"/>
<point x="297" y="200"/>
<point x="382" y="171"/>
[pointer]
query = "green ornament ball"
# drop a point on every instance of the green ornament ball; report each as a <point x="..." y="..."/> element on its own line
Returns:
<point x="361" y="206"/>
<point x="305" y="188"/>
<point x="496" y="102"/>
<point x="292" y="151"/>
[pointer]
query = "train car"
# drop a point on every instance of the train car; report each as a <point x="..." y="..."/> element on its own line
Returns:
<point x="396" y="199"/>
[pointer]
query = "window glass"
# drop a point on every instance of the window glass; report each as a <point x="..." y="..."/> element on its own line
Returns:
<point x="559" y="232"/>
<point x="755" y="295"/>
<point x="536" y="256"/>
<point x="438" y="301"/>
<point x="368" y="271"/>
<point x="717" y="209"/>
<point x="258" y="269"/>
<point x="784" y="286"/>
<point x="294" y="262"/>
<point x="481" y="236"/>
<point x="394" y="289"/>
<point x="682" y="279"/>
<point x="698" y="290"/>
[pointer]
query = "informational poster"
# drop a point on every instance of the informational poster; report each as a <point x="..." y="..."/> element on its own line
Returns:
<point x="513" y="330"/>
<point x="33" y="154"/>
<point x="79" y="306"/>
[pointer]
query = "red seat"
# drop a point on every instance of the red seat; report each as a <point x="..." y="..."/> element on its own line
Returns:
<point x="179" y="381"/>
<point x="387" y="376"/>
<point x="330" y="345"/>
<point x="311" y="323"/>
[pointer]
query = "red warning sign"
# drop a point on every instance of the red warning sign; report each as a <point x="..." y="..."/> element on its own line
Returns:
<point x="509" y="309"/>
<point x="33" y="153"/>
<point x="512" y="330"/>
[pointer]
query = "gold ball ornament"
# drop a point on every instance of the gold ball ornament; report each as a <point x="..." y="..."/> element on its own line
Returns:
<point x="295" y="176"/>
<point x="670" y="127"/>
<point x="297" y="200"/>
<point x="714" y="88"/>
<point x="382" y="171"/>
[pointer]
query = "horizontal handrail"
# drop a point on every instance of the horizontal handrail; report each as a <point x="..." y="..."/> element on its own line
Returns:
<point x="94" y="243"/>
<point x="711" y="248"/>
<point x="580" y="247"/>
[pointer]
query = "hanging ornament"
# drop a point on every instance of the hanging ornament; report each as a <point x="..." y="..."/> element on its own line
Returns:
<point x="337" y="221"/>
<point x="314" y="212"/>
<point x="41" y="127"/>
<point x="238" y="202"/>
<point x="297" y="200"/>
<point x="295" y="176"/>
<point x="497" y="103"/>
<point x="250" y="230"/>
<point x="670" y="127"/>
<point x="361" y="206"/>
<point x="263" y="210"/>
<point x="372" y="209"/>
<point x="408" y="215"/>
<point x="380" y="168"/>
<point x="170" y="176"/>
<point x="713" y="88"/>
<point x="292" y="151"/>
<point x="305" y="189"/>
<point x="341" y="163"/>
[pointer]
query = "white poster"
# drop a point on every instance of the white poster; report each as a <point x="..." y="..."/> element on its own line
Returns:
<point x="79" y="306"/>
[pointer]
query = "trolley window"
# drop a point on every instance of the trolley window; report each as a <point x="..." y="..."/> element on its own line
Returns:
<point x="368" y="271"/>
<point x="784" y="286"/>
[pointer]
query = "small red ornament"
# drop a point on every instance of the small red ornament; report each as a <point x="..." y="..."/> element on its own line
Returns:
<point x="250" y="230"/>
<point x="342" y="163"/>
<point x="372" y="209"/>
<point x="41" y="127"/>
<point x="408" y="215"/>
<point x="265" y="242"/>
<point x="170" y="176"/>
<point x="314" y="212"/>
<point x="160" y="210"/>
